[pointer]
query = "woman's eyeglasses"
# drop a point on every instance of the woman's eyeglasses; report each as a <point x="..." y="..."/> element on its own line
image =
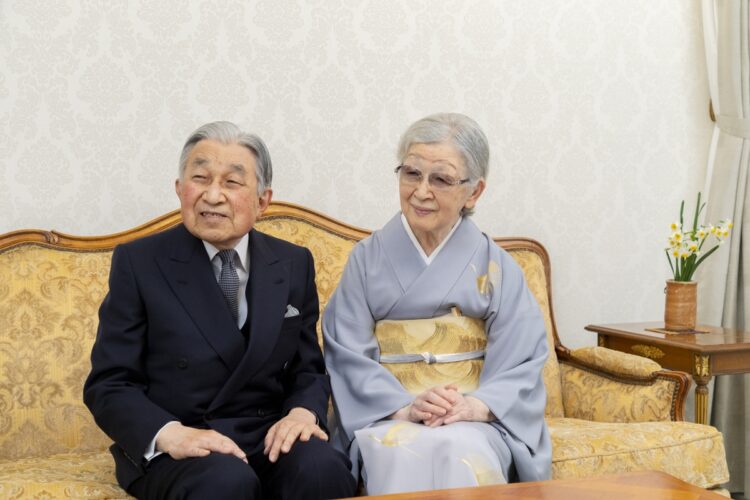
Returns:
<point x="411" y="176"/>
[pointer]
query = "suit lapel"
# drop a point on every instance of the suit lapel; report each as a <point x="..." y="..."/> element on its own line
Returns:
<point x="190" y="275"/>
<point x="267" y="293"/>
<point x="267" y="296"/>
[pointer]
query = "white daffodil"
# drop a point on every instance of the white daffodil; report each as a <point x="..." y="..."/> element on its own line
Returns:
<point x="686" y="244"/>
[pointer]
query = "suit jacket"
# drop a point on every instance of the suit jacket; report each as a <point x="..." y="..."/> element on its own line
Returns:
<point x="168" y="348"/>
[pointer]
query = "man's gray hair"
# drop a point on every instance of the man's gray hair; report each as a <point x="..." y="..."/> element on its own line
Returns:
<point x="459" y="130"/>
<point x="229" y="133"/>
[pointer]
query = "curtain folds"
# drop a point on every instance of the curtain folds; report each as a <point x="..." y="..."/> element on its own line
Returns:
<point x="724" y="293"/>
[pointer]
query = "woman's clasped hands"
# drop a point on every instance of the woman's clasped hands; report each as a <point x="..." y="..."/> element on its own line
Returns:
<point x="443" y="405"/>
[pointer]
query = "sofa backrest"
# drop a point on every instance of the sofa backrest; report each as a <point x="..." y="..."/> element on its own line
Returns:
<point x="49" y="298"/>
<point x="51" y="286"/>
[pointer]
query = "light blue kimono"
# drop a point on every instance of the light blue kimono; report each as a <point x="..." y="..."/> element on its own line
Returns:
<point x="386" y="278"/>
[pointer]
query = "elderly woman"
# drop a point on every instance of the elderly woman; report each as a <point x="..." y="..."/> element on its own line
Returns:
<point x="434" y="343"/>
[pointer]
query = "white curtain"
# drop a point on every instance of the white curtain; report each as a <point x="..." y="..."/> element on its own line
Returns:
<point x="723" y="294"/>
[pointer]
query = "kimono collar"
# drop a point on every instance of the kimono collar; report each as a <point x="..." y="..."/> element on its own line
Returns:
<point x="428" y="258"/>
<point x="409" y="268"/>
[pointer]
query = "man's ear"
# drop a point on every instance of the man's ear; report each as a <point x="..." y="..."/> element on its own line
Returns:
<point x="265" y="199"/>
<point x="177" y="187"/>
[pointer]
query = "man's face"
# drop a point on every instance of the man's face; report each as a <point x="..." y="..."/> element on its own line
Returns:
<point x="218" y="193"/>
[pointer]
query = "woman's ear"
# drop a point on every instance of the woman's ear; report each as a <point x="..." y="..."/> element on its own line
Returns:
<point x="475" y="194"/>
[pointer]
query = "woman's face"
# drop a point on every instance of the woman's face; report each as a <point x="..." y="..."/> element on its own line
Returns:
<point x="430" y="206"/>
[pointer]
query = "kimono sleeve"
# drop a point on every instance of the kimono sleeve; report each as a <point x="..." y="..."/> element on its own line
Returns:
<point x="364" y="392"/>
<point x="511" y="383"/>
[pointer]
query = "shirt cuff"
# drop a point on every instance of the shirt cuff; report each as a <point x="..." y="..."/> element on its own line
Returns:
<point x="151" y="452"/>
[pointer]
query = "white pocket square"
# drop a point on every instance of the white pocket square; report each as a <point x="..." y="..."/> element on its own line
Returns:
<point x="291" y="311"/>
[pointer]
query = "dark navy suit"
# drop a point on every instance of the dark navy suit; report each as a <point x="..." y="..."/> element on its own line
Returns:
<point x="169" y="349"/>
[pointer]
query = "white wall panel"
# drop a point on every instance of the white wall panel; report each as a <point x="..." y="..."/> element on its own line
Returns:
<point x="596" y="113"/>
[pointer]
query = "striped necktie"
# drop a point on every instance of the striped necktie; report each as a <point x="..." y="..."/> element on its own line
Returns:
<point x="229" y="281"/>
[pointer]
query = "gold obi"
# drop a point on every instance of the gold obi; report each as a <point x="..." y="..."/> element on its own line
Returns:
<point x="422" y="353"/>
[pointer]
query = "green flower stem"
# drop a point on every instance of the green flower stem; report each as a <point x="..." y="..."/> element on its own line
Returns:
<point x="706" y="255"/>
<point x="669" y="259"/>
<point x="698" y="209"/>
<point x="682" y="209"/>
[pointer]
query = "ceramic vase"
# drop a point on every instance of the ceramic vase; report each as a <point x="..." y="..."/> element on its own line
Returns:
<point x="680" y="305"/>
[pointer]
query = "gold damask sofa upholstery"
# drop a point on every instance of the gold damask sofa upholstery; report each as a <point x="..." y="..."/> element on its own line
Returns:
<point x="608" y="412"/>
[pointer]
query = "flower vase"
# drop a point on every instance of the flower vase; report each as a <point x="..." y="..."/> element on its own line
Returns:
<point x="680" y="305"/>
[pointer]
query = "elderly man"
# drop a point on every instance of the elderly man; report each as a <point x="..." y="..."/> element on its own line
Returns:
<point x="206" y="371"/>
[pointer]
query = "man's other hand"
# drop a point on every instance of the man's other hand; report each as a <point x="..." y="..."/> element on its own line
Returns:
<point x="181" y="442"/>
<point x="299" y="424"/>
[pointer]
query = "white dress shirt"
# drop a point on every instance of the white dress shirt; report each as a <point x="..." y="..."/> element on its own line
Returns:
<point x="242" y="265"/>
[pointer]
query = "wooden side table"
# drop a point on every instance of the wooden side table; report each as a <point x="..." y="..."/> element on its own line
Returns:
<point x="721" y="351"/>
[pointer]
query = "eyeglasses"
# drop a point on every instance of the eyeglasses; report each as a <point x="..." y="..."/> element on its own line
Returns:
<point x="411" y="176"/>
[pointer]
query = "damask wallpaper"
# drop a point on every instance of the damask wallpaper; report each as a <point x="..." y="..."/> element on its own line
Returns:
<point x="596" y="113"/>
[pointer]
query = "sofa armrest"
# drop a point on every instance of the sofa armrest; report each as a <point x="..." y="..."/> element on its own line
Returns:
<point x="604" y="385"/>
<point x="613" y="361"/>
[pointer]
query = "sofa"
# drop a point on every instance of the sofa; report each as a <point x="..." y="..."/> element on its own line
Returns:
<point x="608" y="412"/>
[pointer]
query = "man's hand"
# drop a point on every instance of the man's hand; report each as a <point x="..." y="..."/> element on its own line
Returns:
<point x="183" y="442"/>
<point x="299" y="424"/>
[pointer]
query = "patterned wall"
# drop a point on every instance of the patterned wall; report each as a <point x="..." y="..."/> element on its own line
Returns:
<point x="596" y="113"/>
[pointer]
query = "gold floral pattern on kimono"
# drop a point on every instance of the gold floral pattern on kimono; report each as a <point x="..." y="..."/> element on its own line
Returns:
<point x="489" y="281"/>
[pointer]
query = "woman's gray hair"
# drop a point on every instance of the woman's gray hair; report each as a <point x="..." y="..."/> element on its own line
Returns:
<point x="459" y="130"/>
<point x="229" y="133"/>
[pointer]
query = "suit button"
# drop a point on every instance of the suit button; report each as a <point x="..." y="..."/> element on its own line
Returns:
<point x="182" y="363"/>
<point x="261" y="413"/>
